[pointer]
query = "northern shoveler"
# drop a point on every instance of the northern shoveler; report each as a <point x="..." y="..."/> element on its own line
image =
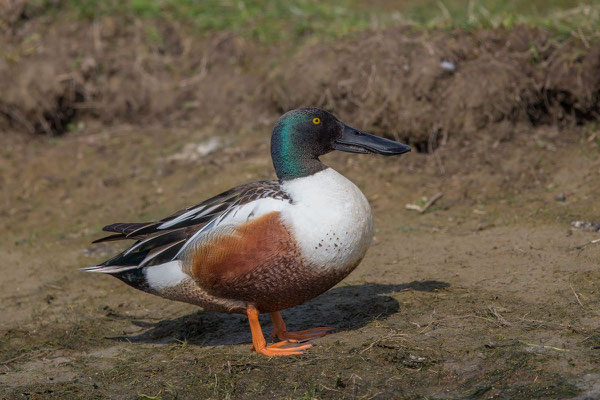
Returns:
<point x="263" y="246"/>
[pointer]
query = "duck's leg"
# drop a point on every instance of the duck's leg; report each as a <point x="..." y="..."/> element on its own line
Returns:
<point x="260" y="345"/>
<point x="281" y="332"/>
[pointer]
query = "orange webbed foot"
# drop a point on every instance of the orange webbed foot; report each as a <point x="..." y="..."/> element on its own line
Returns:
<point x="281" y="349"/>
<point x="280" y="331"/>
<point x="301" y="335"/>
<point x="285" y="348"/>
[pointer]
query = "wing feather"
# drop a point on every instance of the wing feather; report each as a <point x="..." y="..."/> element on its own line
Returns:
<point x="110" y="238"/>
<point x="124" y="227"/>
<point x="162" y="254"/>
<point x="164" y="240"/>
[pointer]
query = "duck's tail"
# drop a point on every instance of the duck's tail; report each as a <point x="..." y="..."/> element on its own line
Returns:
<point x="109" y="269"/>
<point x="130" y="274"/>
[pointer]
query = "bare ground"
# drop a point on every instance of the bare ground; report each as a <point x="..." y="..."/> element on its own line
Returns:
<point x="482" y="296"/>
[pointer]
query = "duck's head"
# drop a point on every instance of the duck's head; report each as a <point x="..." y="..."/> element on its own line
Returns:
<point x="302" y="135"/>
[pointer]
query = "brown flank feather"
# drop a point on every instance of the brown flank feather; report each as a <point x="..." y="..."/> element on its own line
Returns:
<point x="259" y="263"/>
<point x="220" y="261"/>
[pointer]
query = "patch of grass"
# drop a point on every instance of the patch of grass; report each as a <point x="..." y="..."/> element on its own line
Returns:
<point x="562" y="15"/>
<point x="263" y="20"/>
<point x="269" y="20"/>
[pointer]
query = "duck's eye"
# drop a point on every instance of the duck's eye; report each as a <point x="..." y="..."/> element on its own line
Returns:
<point x="316" y="121"/>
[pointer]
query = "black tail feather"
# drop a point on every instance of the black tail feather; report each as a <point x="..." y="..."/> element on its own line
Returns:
<point x="110" y="238"/>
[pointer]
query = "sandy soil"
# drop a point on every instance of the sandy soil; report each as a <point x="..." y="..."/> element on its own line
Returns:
<point x="485" y="295"/>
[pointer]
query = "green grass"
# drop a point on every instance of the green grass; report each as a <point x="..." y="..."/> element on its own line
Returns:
<point x="271" y="20"/>
<point x="491" y="13"/>
<point x="264" y="20"/>
<point x="564" y="17"/>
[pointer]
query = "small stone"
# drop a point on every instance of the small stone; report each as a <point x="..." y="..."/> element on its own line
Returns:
<point x="560" y="197"/>
<point x="586" y="226"/>
<point x="448" y="66"/>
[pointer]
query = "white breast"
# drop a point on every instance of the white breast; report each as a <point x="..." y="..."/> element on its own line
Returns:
<point x="330" y="219"/>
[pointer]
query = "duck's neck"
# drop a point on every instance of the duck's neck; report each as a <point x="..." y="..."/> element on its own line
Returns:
<point x="292" y="158"/>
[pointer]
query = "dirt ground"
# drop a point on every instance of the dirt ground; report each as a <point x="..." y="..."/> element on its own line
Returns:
<point x="482" y="296"/>
<point x="490" y="293"/>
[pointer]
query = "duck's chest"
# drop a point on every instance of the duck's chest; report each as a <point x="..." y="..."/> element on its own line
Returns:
<point x="329" y="218"/>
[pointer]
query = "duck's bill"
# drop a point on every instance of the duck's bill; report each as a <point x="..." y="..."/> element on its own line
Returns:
<point x="357" y="141"/>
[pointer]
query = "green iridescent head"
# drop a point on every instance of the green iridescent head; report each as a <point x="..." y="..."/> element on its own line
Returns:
<point x="302" y="135"/>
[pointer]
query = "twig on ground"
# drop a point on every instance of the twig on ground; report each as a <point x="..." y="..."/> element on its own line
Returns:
<point x="427" y="205"/>
<point x="500" y="321"/>
<point x="576" y="329"/>
<point x="14" y="358"/>
<point x="576" y="296"/>
<point x="583" y="246"/>
<point x="392" y="335"/>
<point x="547" y="347"/>
<point x="437" y="321"/>
<point x="496" y="314"/>
<point x="24" y="355"/>
<point x="330" y="388"/>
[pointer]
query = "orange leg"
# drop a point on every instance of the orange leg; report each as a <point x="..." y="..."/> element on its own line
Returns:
<point x="260" y="345"/>
<point x="281" y="332"/>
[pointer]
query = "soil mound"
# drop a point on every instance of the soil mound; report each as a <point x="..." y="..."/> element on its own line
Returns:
<point x="117" y="69"/>
<point x="420" y="85"/>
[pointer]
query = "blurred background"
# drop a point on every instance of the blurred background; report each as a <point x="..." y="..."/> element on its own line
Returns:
<point x="129" y="110"/>
<point x="75" y="66"/>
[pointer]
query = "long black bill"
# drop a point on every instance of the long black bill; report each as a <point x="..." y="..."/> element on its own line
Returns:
<point x="357" y="141"/>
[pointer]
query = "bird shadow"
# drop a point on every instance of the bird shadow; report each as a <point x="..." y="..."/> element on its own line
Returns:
<point x="345" y="308"/>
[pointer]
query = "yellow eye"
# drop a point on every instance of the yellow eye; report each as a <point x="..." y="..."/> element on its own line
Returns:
<point x="316" y="121"/>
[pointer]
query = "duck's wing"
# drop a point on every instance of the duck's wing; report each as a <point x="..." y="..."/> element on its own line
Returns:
<point x="161" y="241"/>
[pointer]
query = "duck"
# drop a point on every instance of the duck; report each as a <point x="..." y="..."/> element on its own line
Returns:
<point x="262" y="247"/>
